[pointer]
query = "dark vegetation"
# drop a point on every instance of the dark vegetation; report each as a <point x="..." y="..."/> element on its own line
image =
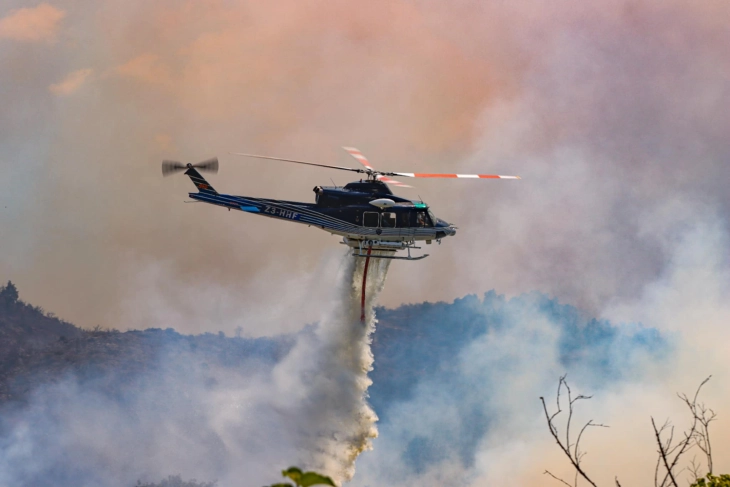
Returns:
<point x="413" y="343"/>
<point x="25" y="332"/>
<point x="303" y="479"/>
<point x="38" y="348"/>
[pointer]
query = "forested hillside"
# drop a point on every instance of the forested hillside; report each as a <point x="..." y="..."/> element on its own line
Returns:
<point x="412" y="342"/>
<point x="157" y="399"/>
<point x="38" y="348"/>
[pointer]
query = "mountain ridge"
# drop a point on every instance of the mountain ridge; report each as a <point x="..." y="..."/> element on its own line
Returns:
<point x="412" y="341"/>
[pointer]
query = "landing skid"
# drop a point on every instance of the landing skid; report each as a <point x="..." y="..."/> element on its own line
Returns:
<point x="392" y="257"/>
<point x="364" y="249"/>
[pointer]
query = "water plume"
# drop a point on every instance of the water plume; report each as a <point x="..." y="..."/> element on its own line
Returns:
<point x="217" y="418"/>
<point x="332" y="366"/>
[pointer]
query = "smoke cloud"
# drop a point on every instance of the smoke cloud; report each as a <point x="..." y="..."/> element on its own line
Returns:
<point x="34" y="24"/>
<point x="609" y="112"/>
<point x="498" y="378"/>
<point x="202" y="420"/>
<point x="613" y="112"/>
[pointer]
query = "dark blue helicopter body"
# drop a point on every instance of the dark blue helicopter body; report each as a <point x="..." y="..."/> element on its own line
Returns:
<point x="365" y="213"/>
<point x="348" y="211"/>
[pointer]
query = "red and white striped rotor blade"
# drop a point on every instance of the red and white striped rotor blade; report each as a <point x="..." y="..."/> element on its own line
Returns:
<point x="460" y="176"/>
<point x="387" y="180"/>
<point x="363" y="160"/>
<point x="360" y="158"/>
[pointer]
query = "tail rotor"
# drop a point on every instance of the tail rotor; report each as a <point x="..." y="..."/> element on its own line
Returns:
<point x="172" y="167"/>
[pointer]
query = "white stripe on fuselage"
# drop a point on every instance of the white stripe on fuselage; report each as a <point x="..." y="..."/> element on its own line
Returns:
<point x="331" y="224"/>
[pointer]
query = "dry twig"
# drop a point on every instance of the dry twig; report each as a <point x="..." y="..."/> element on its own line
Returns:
<point x="572" y="451"/>
<point x="698" y="435"/>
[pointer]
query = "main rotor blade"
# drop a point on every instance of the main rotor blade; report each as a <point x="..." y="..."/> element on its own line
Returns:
<point x="363" y="160"/>
<point x="342" y="168"/>
<point x="387" y="180"/>
<point x="465" y="176"/>
<point x="380" y="174"/>
<point x="360" y="158"/>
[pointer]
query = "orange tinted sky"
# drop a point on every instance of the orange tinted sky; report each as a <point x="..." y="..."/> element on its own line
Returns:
<point x="613" y="112"/>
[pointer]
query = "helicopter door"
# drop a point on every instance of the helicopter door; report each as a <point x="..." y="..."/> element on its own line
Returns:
<point x="370" y="219"/>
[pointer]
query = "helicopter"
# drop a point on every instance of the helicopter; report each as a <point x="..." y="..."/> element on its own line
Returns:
<point x="365" y="213"/>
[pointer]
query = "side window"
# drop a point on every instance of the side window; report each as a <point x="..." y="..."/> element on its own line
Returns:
<point x="370" y="219"/>
<point x="405" y="219"/>
<point x="387" y="220"/>
<point x="422" y="219"/>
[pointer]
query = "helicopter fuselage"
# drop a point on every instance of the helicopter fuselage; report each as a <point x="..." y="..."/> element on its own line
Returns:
<point x="365" y="213"/>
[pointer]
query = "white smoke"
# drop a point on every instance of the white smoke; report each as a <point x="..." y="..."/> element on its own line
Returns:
<point x="331" y="368"/>
<point x="202" y="420"/>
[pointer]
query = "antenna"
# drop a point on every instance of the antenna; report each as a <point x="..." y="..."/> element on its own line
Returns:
<point x="333" y="182"/>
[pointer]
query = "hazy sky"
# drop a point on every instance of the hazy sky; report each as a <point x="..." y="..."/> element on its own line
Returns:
<point x="613" y="112"/>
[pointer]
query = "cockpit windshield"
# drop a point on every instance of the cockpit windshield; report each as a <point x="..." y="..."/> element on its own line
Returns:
<point x="422" y="219"/>
<point x="432" y="217"/>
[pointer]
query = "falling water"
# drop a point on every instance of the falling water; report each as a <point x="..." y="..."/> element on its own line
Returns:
<point x="336" y="422"/>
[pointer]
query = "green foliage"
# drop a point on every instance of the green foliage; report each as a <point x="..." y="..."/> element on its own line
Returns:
<point x="713" y="481"/>
<point x="304" y="479"/>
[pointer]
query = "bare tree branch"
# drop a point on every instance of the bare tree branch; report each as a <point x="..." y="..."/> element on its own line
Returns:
<point x="663" y="455"/>
<point x="671" y="448"/>
<point x="557" y="478"/>
<point x="704" y="416"/>
<point x="698" y="435"/>
<point x="577" y="451"/>
<point x="575" y="455"/>
<point x="695" y="469"/>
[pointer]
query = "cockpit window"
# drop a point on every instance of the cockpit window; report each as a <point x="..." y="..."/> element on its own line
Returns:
<point x="433" y="218"/>
<point x="422" y="219"/>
